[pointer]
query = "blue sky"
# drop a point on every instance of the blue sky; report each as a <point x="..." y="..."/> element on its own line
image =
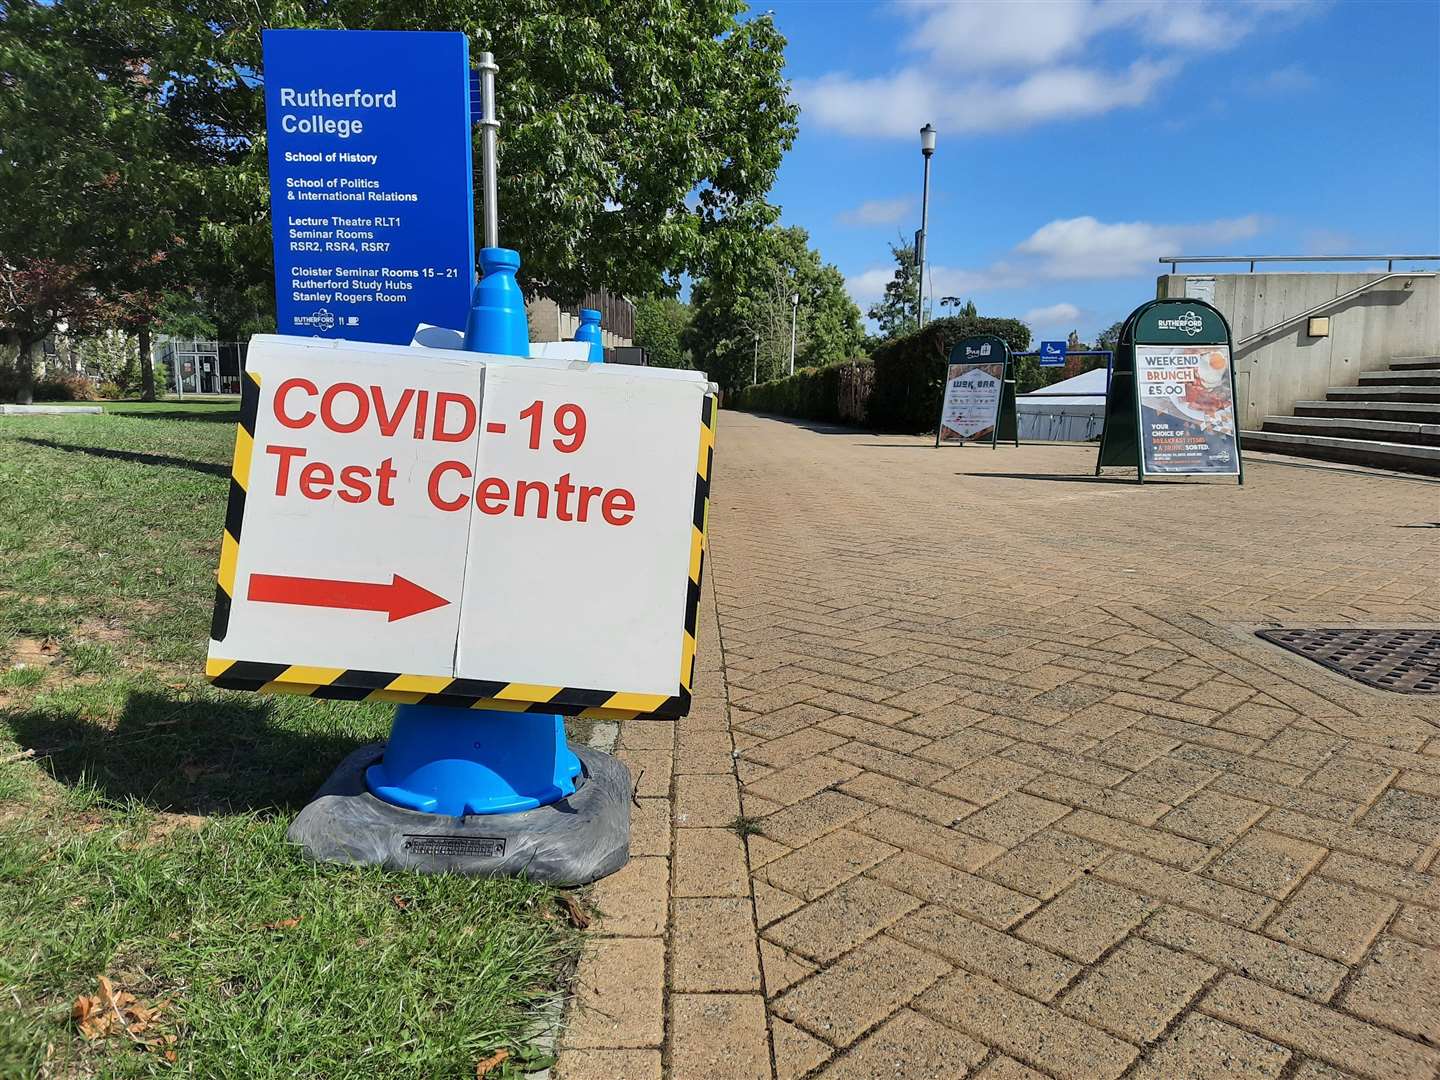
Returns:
<point x="1079" y="141"/>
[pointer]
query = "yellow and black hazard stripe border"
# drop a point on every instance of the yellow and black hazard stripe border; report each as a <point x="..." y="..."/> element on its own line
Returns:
<point x="235" y="505"/>
<point x="351" y="684"/>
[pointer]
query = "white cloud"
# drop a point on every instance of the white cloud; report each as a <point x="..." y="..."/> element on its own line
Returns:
<point x="1022" y="35"/>
<point x="1057" y="315"/>
<point x="987" y="66"/>
<point x="896" y="105"/>
<point x="1291" y="79"/>
<point x="1083" y="247"/>
<point x="877" y="212"/>
<point x="1069" y="249"/>
<point x="869" y="285"/>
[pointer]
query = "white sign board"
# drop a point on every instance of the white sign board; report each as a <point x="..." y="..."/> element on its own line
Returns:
<point x="972" y="399"/>
<point x="458" y="528"/>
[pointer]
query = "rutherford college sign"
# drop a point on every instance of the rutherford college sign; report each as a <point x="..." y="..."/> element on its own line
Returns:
<point x="367" y="245"/>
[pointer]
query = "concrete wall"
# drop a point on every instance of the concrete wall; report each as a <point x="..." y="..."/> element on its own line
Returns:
<point x="1399" y="318"/>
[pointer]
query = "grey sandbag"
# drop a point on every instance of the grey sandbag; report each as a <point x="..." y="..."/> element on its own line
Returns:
<point x="571" y="842"/>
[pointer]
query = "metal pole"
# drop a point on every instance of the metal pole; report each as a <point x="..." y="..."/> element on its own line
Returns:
<point x="924" y="220"/>
<point x="489" y="131"/>
<point x="794" y="311"/>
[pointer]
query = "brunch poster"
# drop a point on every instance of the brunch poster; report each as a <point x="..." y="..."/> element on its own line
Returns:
<point x="1187" y="409"/>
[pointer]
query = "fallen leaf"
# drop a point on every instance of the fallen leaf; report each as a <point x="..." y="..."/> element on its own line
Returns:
<point x="488" y="1065"/>
<point x="49" y="646"/>
<point x="579" y="917"/>
<point x="283" y="924"/>
<point x="113" y="1012"/>
<point x="400" y="902"/>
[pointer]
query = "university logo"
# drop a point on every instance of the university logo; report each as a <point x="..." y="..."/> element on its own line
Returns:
<point x="1189" y="324"/>
<point x="319" y="320"/>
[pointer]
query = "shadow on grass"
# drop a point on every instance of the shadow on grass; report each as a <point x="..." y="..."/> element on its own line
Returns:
<point x="219" y="413"/>
<point x="223" y="755"/>
<point x="133" y="456"/>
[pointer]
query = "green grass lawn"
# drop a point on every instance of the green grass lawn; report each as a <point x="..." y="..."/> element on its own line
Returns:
<point x="144" y="840"/>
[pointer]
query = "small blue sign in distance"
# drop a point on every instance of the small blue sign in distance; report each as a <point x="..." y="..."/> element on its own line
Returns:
<point x="1052" y="354"/>
<point x="371" y="200"/>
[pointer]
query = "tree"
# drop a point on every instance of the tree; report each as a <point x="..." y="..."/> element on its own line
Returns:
<point x="896" y="312"/>
<point x="740" y="327"/>
<point x="636" y="136"/>
<point x="639" y="140"/>
<point x="97" y="147"/>
<point x="1109" y="337"/>
<point x="36" y="296"/>
<point x="660" y="324"/>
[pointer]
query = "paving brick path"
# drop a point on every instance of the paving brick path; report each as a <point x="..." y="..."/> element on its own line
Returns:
<point x="1032" y="799"/>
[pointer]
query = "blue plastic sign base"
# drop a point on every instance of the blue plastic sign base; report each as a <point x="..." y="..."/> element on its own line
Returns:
<point x="451" y="761"/>
<point x="371" y="202"/>
<point x="455" y="762"/>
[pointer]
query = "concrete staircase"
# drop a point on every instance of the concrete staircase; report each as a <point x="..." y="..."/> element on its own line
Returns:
<point x="1391" y="421"/>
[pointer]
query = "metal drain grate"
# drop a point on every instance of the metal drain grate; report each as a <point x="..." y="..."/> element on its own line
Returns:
<point x="1407" y="661"/>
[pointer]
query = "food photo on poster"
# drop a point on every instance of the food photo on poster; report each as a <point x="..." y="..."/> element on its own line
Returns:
<point x="1187" y="409"/>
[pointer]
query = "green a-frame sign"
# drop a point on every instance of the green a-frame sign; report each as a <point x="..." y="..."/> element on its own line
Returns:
<point x="1171" y="407"/>
<point x="977" y="393"/>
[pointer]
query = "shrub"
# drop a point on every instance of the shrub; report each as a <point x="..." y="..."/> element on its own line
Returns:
<point x="809" y="394"/>
<point x="62" y="386"/>
<point x="910" y="370"/>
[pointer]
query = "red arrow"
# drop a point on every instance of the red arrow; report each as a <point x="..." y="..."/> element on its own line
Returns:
<point x="399" y="599"/>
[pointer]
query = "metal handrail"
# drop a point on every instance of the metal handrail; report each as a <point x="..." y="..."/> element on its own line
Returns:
<point x="1325" y="304"/>
<point x="1388" y="260"/>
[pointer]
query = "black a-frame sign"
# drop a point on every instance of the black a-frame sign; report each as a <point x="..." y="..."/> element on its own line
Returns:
<point x="1170" y="408"/>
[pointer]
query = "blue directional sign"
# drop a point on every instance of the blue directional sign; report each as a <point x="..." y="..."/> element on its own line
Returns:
<point x="1052" y="354"/>
<point x="371" y="201"/>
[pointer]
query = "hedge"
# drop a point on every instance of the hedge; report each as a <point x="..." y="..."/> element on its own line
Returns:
<point x="902" y="381"/>
<point x="809" y="394"/>
<point x="910" y="370"/>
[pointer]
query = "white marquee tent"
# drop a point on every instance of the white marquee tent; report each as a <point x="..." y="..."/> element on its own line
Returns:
<point x="1068" y="411"/>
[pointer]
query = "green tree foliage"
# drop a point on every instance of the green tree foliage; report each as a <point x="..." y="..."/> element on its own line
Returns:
<point x="1109" y="337"/>
<point x="660" y="323"/>
<point x="740" y="327"/>
<point x="639" y="139"/>
<point x="896" y="312"/>
<point x="114" y="357"/>
<point x="112" y="163"/>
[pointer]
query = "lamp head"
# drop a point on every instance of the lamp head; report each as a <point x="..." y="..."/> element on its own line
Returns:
<point x="927" y="140"/>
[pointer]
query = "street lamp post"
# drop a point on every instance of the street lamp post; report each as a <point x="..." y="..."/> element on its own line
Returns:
<point x="927" y="148"/>
<point x="794" y="310"/>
